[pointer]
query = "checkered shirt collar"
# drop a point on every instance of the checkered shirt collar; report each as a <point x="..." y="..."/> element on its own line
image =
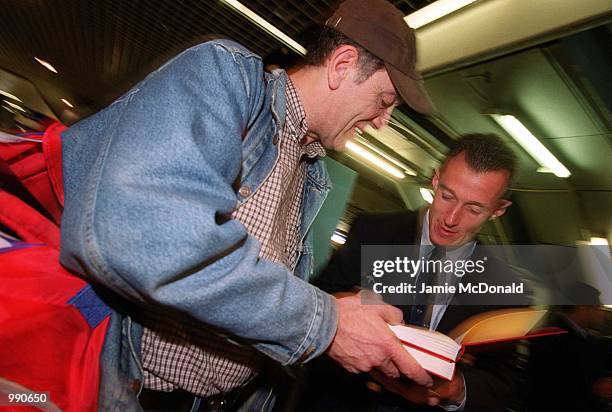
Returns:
<point x="295" y="122"/>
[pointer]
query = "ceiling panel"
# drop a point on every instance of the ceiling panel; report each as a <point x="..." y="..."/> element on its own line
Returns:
<point x="102" y="47"/>
<point x="533" y="86"/>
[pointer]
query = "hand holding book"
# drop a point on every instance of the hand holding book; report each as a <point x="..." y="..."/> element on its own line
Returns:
<point x="407" y="389"/>
<point x="442" y="391"/>
<point x="438" y="353"/>
<point x="363" y="341"/>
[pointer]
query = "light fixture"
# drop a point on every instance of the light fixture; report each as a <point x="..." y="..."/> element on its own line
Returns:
<point x="426" y="194"/>
<point x="531" y="144"/>
<point x="543" y="169"/>
<point x="67" y="103"/>
<point x="391" y="159"/>
<point x="601" y="241"/>
<point x="8" y="109"/>
<point x="338" y="238"/>
<point x="266" y="26"/>
<point x="10" y="96"/>
<point x="46" y="64"/>
<point x="434" y="11"/>
<point x="15" y="106"/>
<point x="374" y="159"/>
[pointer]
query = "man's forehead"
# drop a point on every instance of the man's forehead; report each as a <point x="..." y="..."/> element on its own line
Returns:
<point x="471" y="185"/>
<point x="385" y="81"/>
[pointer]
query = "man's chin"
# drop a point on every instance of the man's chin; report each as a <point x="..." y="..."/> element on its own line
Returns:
<point x="442" y="243"/>
<point x="338" y="144"/>
<point x="445" y="241"/>
<point x="341" y="141"/>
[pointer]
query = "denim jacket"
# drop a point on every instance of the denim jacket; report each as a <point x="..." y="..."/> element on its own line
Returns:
<point x="150" y="183"/>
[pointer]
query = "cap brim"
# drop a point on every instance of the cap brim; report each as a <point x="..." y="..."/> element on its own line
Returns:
<point x="411" y="90"/>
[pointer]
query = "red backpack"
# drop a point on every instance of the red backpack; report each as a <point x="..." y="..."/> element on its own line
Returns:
<point x="52" y="324"/>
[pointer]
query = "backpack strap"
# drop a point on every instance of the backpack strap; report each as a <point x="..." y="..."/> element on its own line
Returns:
<point x="52" y="150"/>
<point x="26" y="222"/>
<point x="11" y="184"/>
<point x="31" y="187"/>
<point x="37" y="166"/>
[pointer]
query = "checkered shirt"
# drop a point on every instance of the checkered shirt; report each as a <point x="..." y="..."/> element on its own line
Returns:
<point x="175" y="355"/>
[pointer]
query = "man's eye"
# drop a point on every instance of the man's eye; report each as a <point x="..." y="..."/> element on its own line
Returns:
<point x="386" y="103"/>
<point x="446" y="196"/>
<point x="474" y="211"/>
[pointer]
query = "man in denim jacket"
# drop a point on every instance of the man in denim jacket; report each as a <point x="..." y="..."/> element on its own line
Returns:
<point x="166" y="191"/>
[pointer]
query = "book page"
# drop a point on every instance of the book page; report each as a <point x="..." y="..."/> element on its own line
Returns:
<point x="433" y="364"/>
<point x="497" y="325"/>
<point x="427" y="340"/>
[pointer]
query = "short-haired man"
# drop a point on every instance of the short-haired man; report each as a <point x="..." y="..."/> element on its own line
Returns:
<point x="191" y="197"/>
<point x="469" y="190"/>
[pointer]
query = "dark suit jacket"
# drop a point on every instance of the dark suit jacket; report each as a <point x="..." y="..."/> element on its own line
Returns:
<point x="563" y="368"/>
<point x="490" y="383"/>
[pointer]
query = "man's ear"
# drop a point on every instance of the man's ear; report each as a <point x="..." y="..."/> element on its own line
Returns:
<point x="435" y="180"/>
<point x="503" y="205"/>
<point x="342" y="60"/>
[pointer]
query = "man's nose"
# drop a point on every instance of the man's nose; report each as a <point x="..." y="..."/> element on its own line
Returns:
<point x="382" y="120"/>
<point x="453" y="216"/>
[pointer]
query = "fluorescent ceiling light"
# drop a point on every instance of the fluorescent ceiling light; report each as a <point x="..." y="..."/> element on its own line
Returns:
<point x="67" y="103"/>
<point x="266" y="26"/>
<point x="426" y="194"/>
<point x="9" y="109"/>
<point x="10" y="96"/>
<point x="531" y="144"/>
<point x="434" y="11"/>
<point x="602" y="241"/>
<point x="46" y="65"/>
<point x="338" y="238"/>
<point x="15" y="106"/>
<point x="374" y="159"/>
<point x="542" y="169"/>
<point x="385" y="156"/>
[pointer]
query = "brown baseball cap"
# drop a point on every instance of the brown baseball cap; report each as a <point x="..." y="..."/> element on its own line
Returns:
<point x="379" y="27"/>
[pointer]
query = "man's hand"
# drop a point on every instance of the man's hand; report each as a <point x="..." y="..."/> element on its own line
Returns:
<point x="451" y="391"/>
<point x="602" y="387"/>
<point x="414" y="393"/>
<point x="441" y="392"/>
<point x="363" y="341"/>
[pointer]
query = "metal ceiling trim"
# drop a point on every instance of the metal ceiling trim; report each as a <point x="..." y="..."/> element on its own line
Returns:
<point x="491" y="28"/>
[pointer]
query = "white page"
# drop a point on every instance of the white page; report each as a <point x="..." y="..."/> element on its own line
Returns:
<point x="432" y="363"/>
<point x="430" y="340"/>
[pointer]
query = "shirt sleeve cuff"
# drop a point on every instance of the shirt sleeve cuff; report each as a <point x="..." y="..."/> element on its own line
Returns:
<point x="322" y="330"/>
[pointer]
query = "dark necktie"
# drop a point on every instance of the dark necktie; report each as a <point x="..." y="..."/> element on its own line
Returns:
<point x="422" y="309"/>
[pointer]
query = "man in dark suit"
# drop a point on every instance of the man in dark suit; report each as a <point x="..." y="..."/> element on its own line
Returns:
<point x="469" y="190"/>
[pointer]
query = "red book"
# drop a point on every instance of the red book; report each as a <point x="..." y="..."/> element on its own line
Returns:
<point x="437" y="353"/>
